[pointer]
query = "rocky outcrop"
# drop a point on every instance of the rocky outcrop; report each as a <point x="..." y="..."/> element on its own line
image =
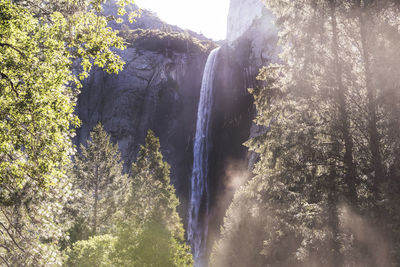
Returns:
<point x="242" y="14"/>
<point x="159" y="90"/>
<point x="249" y="20"/>
<point x="146" y="19"/>
<point x="247" y="17"/>
<point x="251" y="44"/>
<point x="257" y="45"/>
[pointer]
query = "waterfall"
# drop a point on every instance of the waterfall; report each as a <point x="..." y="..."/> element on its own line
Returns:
<point x="198" y="208"/>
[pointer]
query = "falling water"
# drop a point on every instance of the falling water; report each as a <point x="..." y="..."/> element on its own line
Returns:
<point x="198" y="209"/>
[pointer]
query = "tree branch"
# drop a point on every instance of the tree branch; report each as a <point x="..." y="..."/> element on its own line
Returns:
<point x="15" y="228"/>
<point x="4" y="76"/>
<point x="14" y="48"/>
<point x="12" y="238"/>
<point x="8" y="265"/>
<point x="5" y="247"/>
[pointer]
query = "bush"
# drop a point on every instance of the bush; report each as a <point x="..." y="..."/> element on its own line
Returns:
<point x="93" y="252"/>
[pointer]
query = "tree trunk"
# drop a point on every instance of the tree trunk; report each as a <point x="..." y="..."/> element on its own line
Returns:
<point x="350" y="175"/>
<point x="96" y="197"/>
<point x="333" y="220"/>
<point x="374" y="139"/>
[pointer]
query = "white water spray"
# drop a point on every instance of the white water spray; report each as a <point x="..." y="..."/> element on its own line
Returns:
<point x="198" y="208"/>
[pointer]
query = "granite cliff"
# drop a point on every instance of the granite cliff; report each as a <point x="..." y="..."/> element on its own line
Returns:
<point x="251" y="43"/>
<point x="159" y="90"/>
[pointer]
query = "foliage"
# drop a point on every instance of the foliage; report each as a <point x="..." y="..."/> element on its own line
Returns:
<point x="162" y="41"/>
<point x="95" y="251"/>
<point x="149" y="244"/>
<point x="146" y="229"/>
<point x="244" y="222"/>
<point x="98" y="175"/>
<point x="39" y="44"/>
<point x="327" y="111"/>
<point x="36" y="105"/>
<point x="150" y="232"/>
<point x="31" y="229"/>
<point x="37" y="101"/>
<point x="152" y="191"/>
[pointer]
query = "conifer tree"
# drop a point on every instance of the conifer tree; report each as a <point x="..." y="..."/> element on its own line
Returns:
<point x="98" y="174"/>
<point x="150" y="233"/>
<point x="150" y="164"/>
<point x="328" y="148"/>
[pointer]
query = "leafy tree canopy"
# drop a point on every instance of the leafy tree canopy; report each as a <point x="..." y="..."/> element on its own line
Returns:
<point x="46" y="48"/>
<point x="40" y="47"/>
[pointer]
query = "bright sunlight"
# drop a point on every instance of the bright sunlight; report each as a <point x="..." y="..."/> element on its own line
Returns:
<point x="207" y="17"/>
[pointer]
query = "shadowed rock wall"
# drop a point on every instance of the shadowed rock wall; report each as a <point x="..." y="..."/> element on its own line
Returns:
<point x="159" y="90"/>
<point x="251" y="44"/>
<point x="154" y="91"/>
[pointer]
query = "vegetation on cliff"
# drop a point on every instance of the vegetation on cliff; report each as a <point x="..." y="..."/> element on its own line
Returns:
<point x="166" y="41"/>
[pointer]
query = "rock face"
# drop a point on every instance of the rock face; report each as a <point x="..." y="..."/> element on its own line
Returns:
<point x="251" y="44"/>
<point x="146" y="20"/>
<point x="157" y="91"/>
<point x="256" y="45"/>
<point x="244" y="15"/>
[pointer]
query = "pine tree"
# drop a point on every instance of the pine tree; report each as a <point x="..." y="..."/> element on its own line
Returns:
<point x="328" y="111"/>
<point x="98" y="174"/>
<point x="163" y="202"/>
<point x="150" y="232"/>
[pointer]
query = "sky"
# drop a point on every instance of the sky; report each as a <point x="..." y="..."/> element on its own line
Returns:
<point x="208" y="17"/>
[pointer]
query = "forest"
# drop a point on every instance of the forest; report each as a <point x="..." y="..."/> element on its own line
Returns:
<point x="324" y="189"/>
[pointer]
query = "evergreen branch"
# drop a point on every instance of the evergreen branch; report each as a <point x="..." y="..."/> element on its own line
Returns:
<point x="44" y="11"/>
